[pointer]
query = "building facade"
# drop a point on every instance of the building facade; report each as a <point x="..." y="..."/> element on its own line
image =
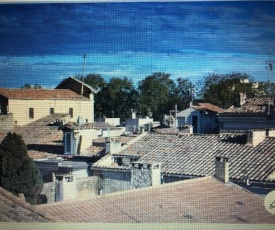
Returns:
<point x="28" y="105"/>
<point x="202" y="117"/>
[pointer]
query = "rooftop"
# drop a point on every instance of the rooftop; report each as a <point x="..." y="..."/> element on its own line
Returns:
<point x="194" y="155"/>
<point x="41" y="94"/>
<point x="15" y="209"/>
<point x="42" y="137"/>
<point x="203" y="200"/>
<point x="208" y="106"/>
<point x="255" y="105"/>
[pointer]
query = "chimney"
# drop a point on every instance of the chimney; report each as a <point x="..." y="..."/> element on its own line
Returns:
<point x="133" y="114"/>
<point x="191" y="103"/>
<point x="254" y="137"/>
<point x="145" y="174"/>
<point x="112" y="146"/>
<point x="222" y="168"/>
<point x="242" y="98"/>
<point x="156" y="174"/>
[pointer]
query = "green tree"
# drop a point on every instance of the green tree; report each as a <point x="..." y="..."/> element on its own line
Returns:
<point x="157" y="94"/>
<point x="19" y="173"/>
<point x="94" y="80"/>
<point x="37" y="86"/>
<point x="26" y="86"/>
<point x="223" y="89"/>
<point x="29" y="86"/>
<point x="185" y="91"/>
<point x="117" y="98"/>
<point x="97" y="82"/>
<point x="266" y="88"/>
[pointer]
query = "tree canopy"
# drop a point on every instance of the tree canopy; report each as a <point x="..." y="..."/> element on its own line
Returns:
<point x="223" y="89"/>
<point x="29" y="86"/>
<point x="158" y="93"/>
<point x="19" y="173"/>
<point x="155" y="95"/>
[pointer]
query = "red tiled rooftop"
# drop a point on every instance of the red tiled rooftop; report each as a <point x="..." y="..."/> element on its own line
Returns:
<point x="255" y="105"/>
<point x="204" y="200"/>
<point x="208" y="106"/>
<point x="41" y="94"/>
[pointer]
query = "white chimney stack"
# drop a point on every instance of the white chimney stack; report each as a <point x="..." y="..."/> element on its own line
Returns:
<point x="222" y="168"/>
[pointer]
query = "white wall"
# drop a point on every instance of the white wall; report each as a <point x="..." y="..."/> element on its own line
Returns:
<point x="137" y="122"/>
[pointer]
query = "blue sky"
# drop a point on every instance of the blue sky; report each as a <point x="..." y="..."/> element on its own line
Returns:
<point x="44" y="43"/>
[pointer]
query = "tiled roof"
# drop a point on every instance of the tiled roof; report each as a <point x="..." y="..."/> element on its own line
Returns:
<point x="95" y="125"/>
<point x="204" y="200"/>
<point x="41" y="94"/>
<point x="194" y="155"/>
<point x="255" y="105"/>
<point x="42" y="137"/>
<point x="208" y="106"/>
<point x="14" y="209"/>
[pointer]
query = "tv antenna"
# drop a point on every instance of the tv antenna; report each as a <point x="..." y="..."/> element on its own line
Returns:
<point x="269" y="82"/>
<point x="83" y="68"/>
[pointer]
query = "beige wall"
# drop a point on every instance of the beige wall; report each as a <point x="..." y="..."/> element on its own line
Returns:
<point x="87" y="136"/>
<point x="78" y="188"/>
<point x="20" y="109"/>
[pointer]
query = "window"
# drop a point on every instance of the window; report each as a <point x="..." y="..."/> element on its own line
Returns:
<point x="71" y="112"/>
<point x="119" y="161"/>
<point x="31" y="113"/>
<point x="51" y="110"/>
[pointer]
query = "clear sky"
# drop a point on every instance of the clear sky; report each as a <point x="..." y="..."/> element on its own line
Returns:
<point x="44" y="43"/>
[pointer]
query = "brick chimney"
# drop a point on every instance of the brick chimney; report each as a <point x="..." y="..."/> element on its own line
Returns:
<point x="222" y="168"/>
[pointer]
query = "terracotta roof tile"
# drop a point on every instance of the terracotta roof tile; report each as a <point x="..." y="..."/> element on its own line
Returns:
<point x="41" y="94"/>
<point x="41" y="136"/>
<point x="14" y="209"/>
<point x="255" y="105"/>
<point x="204" y="200"/>
<point x="208" y="106"/>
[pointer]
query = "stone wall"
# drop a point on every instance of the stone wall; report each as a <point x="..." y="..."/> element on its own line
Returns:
<point x="48" y="193"/>
<point x="6" y="122"/>
<point x="113" y="181"/>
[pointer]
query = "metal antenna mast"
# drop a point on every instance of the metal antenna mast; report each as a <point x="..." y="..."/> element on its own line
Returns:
<point x="269" y="82"/>
<point x="83" y="68"/>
